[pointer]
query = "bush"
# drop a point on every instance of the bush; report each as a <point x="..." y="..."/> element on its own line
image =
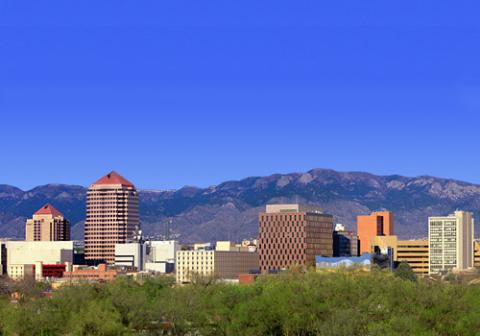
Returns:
<point x="330" y="303"/>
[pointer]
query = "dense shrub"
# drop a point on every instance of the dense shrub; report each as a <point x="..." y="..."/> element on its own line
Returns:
<point x="330" y="303"/>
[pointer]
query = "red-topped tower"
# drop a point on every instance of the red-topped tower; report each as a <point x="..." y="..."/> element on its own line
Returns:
<point x="47" y="224"/>
<point x="112" y="217"/>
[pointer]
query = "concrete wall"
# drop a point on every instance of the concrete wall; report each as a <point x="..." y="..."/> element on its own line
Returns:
<point x="163" y="251"/>
<point x="23" y="253"/>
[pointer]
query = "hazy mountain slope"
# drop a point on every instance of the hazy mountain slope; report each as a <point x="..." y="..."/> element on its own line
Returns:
<point x="230" y="210"/>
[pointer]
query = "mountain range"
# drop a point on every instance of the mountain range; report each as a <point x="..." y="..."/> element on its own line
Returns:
<point x="229" y="211"/>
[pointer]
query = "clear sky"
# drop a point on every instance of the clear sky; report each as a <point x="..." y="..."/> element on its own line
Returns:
<point x="173" y="93"/>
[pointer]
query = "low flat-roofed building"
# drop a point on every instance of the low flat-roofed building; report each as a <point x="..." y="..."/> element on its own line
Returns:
<point x="383" y="243"/>
<point x="476" y="256"/>
<point x="163" y="250"/>
<point x="91" y="274"/>
<point x="21" y="253"/>
<point x="415" y="253"/>
<point x="130" y="255"/>
<point x="225" y="265"/>
<point x="364" y="262"/>
<point x="21" y="271"/>
<point x="232" y="246"/>
<point x="203" y="246"/>
<point x="160" y="267"/>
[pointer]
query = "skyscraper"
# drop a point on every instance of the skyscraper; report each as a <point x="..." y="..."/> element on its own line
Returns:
<point x="47" y="224"/>
<point x="450" y="242"/>
<point x="112" y="217"/>
<point x="376" y="224"/>
<point x="293" y="234"/>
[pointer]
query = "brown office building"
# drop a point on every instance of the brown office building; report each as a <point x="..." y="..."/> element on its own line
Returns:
<point x="47" y="224"/>
<point x="112" y="217"/>
<point x="376" y="224"/>
<point x="293" y="234"/>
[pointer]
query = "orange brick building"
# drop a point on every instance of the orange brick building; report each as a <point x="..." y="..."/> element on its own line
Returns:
<point x="376" y="224"/>
<point x="89" y="274"/>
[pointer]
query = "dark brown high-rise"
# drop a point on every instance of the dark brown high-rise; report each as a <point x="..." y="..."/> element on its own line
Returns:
<point x="112" y="217"/>
<point x="293" y="234"/>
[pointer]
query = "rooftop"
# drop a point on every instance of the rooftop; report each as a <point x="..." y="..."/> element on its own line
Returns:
<point x="49" y="209"/>
<point x="292" y="208"/>
<point x="114" y="178"/>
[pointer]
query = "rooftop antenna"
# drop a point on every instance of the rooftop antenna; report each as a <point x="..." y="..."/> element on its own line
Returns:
<point x="137" y="236"/>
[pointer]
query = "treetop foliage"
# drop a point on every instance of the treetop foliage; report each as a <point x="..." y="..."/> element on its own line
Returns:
<point x="328" y="303"/>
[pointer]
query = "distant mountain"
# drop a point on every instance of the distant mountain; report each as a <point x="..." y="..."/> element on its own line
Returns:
<point x="230" y="210"/>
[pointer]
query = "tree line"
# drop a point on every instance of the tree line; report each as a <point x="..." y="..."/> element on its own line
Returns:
<point x="344" y="302"/>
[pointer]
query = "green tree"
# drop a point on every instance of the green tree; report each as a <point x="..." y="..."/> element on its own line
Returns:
<point x="404" y="271"/>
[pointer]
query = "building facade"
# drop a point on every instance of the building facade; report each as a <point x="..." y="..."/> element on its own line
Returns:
<point x="224" y="265"/>
<point x="293" y="234"/>
<point x="101" y="273"/>
<point x="22" y="256"/>
<point x="415" y="253"/>
<point x="363" y="262"/>
<point x="476" y="260"/>
<point x="450" y="242"/>
<point x="131" y="255"/>
<point x="161" y="256"/>
<point x="375" y="224"/>
<point x="3" y="258"/>
<point x="345" y="243"/>
<point x="162" y="251"/>
<point x="112" y="217"/>
<point x="47" y="224"/>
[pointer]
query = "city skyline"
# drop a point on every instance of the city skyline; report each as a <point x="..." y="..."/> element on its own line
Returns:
<point x="205" y="93"/>
<point x="239" y="168"/>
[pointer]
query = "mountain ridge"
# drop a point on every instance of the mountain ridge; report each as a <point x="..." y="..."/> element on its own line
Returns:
<point x="230" y="209"/>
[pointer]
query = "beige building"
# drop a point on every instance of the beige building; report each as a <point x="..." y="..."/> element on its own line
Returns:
<point x="232" y="246"/>
<point x="112" y="217"/>
<point x="224" y="264"/>
<point x="22" y="256"/>
<point x="450" y="241"/>
<point x="47" y="224"/>
<point x="413" y="252"/>
<point x="476" y="260"/>
<point x="21" y="272"/>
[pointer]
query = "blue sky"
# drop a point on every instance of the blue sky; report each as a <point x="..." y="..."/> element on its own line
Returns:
<point x="173" y="93"/>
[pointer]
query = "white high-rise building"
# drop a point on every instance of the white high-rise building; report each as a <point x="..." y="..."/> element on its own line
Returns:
<point x="450" y="241"/>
